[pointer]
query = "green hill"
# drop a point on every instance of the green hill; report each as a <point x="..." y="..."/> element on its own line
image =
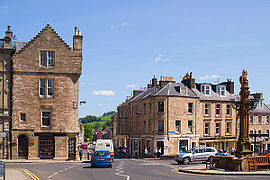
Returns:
<point x="101" y="122"/>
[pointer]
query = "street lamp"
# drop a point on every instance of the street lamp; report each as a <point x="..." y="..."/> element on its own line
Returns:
<point x="82" y="102"/>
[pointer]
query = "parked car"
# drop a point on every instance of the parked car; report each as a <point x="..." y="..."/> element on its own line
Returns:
<point x="197" y="154"/>
<point x="101" y="158"/>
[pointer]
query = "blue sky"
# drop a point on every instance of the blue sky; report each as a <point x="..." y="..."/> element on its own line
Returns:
<point x="126" y="42"/>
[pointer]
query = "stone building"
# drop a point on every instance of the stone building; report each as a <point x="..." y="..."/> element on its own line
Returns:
<point x="259" y="124"/>
<point x="176" y="117"/>
<point x="6" y="53"/>
<point x="43" y="96"/>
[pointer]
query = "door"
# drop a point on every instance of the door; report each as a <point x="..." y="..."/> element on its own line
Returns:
<point x="72" y="148"/>
<point x="23" y="147"/>
<point x="46" y="147"/>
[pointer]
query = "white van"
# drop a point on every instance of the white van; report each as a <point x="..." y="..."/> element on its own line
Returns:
<point x="105" y="144"/>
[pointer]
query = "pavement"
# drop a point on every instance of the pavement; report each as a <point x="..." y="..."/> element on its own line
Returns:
<point x="201" y="169"/>
<point x="16" y="174"/>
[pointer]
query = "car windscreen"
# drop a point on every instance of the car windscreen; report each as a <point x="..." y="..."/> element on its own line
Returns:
<point x="101" y="153"/>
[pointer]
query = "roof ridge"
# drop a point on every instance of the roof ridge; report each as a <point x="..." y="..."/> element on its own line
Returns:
<point x="38" y="35"/>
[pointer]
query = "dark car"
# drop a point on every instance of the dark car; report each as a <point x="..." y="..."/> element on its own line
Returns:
<point x="101" y="158"/>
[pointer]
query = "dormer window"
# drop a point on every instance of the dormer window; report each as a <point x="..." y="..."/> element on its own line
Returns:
<point x="205" y="89"/>
<point x="221" y="90"/>
<point x="259" y="103"/>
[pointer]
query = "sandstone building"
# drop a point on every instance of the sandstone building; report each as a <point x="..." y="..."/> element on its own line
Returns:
<point x="177" y="117"/>
<point x="259" y="123"/>
<point x="42" y="94"/>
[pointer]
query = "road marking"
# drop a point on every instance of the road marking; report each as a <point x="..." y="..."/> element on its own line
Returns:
<point x="33" y="176"/>
<point x="120" y="170"/>
<point x="56" y="173"/>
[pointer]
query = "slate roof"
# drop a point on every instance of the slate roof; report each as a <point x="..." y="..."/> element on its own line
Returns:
<point x="170" y="90"/>
<point x="216" y="97"/>
<point x="262" y="110"/>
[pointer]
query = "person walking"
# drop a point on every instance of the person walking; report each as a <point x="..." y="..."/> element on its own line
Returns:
<point x="145" y="152"/>
<point x="156" y="152"/>
<point x="232" y="151"/>
<point x="159" y="153"/>
<point x="80" y="153"/>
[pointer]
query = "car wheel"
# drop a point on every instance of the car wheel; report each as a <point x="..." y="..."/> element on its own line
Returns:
<point x="110" y="166"/>
<point x="186" y="160"/>
<point x="93" y="166"/>
<point x="210" y="159"/>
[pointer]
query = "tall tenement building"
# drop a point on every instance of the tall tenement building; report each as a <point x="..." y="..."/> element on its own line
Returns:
<point x="176" y="117"/>
<point x="39" y="96"/>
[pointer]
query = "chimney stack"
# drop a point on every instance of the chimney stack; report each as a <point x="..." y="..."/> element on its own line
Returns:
<point x="188" y="80"/>
<point x="154" y="81"/>
<point x="77" y="40"/>
<point x="8" y="38"/>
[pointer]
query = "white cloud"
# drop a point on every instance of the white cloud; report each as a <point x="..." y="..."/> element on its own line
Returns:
<point x="122" y="25"/>
<point x="213" y="76"/>
<point x="130" y="86"/>
<point x="100" y="105"/>
<point x="103" y="93"/>
<point x="203" y="77"/>
<point x="160" y="58"/>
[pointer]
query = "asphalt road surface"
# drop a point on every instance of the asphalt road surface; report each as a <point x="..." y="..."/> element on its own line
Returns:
<point x="123" y="169"/>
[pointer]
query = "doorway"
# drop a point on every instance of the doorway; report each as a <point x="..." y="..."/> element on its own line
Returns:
<point x="160" y="144"/>
<point x="72" y="148"/>
<point x="46" y="147"/>
<point x="22" y="147"/>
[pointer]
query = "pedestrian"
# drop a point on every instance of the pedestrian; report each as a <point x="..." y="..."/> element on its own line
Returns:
<point x="145" y="152"/>
<point x="156" y="152"/>
<point x="159" y="153"/>
<point x="232" y="151"/>
<point x="80" y="153"/>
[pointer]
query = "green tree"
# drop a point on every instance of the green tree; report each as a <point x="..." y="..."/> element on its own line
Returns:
<point x="88" y="132"/>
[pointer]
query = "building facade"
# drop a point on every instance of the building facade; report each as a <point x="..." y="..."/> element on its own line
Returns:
<point x="43" y="96"/>
<point x="259" y="125"/>
<point x="176" y="117"/>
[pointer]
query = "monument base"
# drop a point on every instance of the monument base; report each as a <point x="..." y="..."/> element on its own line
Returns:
<point x="231" y="163"/>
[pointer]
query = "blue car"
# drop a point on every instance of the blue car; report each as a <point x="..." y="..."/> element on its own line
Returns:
<point x="101" y="158"/>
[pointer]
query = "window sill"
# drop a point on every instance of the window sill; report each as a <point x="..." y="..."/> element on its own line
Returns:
<point x="46" y="127"/>
<point x="228" y="134"/>
<point x="206" y="135"/>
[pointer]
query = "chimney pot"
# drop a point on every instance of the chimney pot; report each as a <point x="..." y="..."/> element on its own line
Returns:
<point x="76" y="30"/>
<point x="9" y="28"/>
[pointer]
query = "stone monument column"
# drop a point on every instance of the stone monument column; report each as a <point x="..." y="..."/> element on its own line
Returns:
<point x="243" y="144"/>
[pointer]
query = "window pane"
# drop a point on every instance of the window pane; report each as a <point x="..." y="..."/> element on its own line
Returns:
<point x="189" y="126"/>
<point x="160" y="106"/>
<point x="50" y="87"/>
<point x="42" y="87"/>
<point x="50" y="58"/>
<point x="46" y="118"/>
<point x="43" y="58"/>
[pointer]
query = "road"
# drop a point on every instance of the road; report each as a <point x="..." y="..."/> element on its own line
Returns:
<point x="123" y="169"/>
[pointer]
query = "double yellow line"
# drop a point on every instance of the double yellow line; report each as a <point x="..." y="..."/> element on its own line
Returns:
<point x="34" y="177"/>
